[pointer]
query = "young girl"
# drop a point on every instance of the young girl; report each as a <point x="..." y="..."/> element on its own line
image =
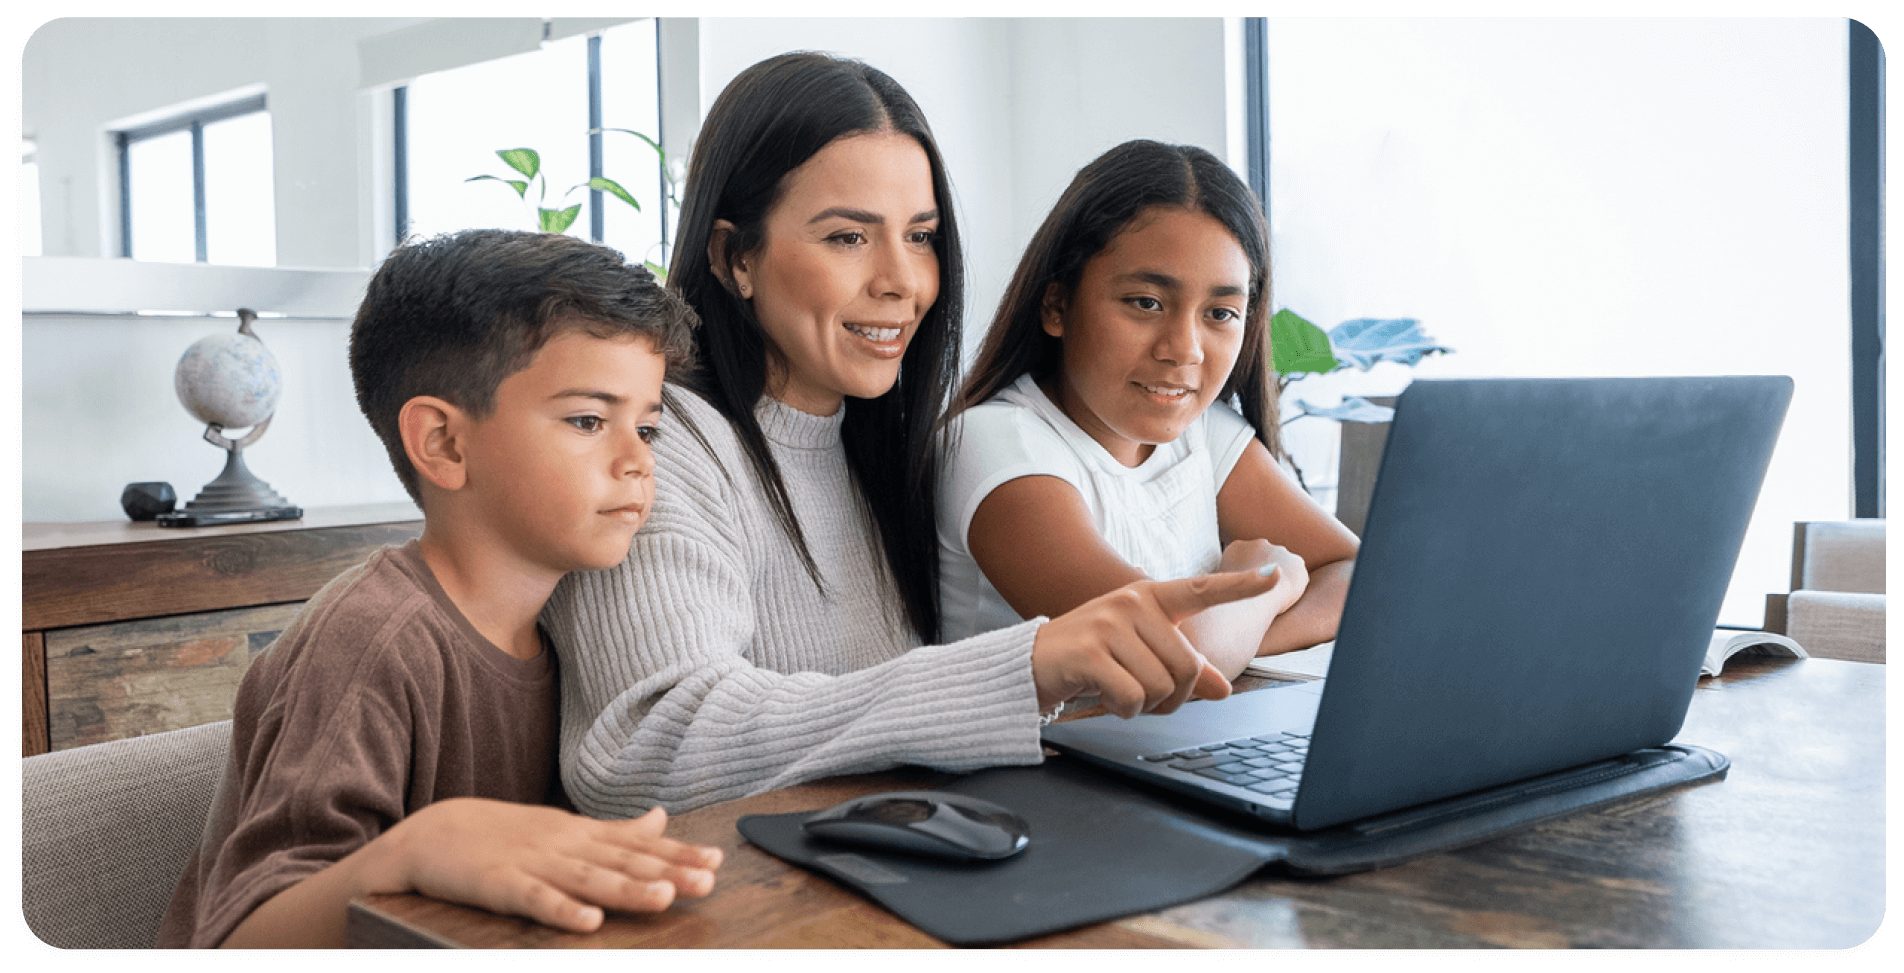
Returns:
<point x="1094" y="443"/>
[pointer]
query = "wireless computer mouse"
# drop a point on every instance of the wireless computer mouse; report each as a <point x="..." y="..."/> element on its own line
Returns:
<point x="934" y="823"/>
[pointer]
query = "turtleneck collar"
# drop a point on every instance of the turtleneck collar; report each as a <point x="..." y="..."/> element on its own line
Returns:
<point x="785" y="425"/>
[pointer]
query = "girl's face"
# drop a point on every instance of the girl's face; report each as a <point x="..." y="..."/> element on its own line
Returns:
<point x="1151" y="331"/>
<point x="846" y="270"/>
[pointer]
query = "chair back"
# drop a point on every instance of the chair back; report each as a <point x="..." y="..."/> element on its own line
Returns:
<point x="107" y="830"/>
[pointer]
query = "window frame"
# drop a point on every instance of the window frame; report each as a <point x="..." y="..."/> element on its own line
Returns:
<point x="194" y="122"/>
<point x="1256" y="106"/>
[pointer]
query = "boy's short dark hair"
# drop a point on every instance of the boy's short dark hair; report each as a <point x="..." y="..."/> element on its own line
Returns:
<point x="454" y="315"/>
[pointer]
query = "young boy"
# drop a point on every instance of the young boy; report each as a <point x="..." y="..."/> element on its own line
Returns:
<point x="401" y="733"/>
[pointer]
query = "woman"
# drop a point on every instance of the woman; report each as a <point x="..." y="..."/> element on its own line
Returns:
<point x="766" y="627"/>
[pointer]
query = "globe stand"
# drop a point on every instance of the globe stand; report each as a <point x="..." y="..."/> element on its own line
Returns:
<point x="236" y="495"/>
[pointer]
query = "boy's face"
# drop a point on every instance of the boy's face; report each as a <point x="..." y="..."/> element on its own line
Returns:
<point x="560" y="472"/>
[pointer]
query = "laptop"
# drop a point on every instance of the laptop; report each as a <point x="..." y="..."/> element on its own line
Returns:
<point x="1540" y="573"/>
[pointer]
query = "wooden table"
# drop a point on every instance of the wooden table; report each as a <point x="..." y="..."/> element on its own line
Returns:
<point x="1787" y="852"/>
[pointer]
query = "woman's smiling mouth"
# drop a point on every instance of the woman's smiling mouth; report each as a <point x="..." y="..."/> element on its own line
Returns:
<point x="876" y="335"/>
<point x="883" y="340"/>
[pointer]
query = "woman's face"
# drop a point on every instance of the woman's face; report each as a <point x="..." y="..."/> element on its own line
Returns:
<point x="846" y="269"/>
<point x="1151" y="331"/>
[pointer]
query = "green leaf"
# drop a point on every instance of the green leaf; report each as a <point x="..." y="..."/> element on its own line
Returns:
<point x="614" y="189"/>
<point x="666" y="172"/>
<point x="1296" y="346"/>
<point x="521" y="188"/>
<point x="525" y="161"/>
<point x="558" y="220"/>
<point x="660" y="273"/>
<point x="1365" y="341"/>
<point x="651" y="142"/>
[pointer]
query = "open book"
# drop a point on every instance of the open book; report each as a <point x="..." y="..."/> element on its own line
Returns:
<point x="1727" y="643"/>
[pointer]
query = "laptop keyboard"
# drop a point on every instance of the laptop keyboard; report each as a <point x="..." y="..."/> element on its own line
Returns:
<point x="1269" y="764"/>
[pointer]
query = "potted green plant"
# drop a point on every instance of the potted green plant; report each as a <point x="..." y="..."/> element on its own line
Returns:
<point x="558" y="218"/>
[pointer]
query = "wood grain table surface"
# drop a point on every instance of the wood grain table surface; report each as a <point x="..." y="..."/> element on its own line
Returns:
<point x="1787" y="852"/>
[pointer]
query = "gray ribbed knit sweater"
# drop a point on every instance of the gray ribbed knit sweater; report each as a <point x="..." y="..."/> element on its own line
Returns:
<point x="707" y="666"/>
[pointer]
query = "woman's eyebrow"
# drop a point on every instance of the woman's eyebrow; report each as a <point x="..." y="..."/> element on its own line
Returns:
<point x="866" y="216"/>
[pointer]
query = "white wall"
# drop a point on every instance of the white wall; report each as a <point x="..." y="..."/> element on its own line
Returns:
<point x="1581" y="197"/>
<point x="100" y="412"/>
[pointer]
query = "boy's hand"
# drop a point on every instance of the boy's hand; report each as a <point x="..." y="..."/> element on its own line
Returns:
<point x="1125" y="645"/>
<point x="558" y="868"/>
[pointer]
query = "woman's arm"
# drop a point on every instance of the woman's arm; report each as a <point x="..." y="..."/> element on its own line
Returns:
<point x="1036" y="542"/>
<point x="708" y="666"/>
<point x="1260" y="501"/>
<point x="662" y="704"/>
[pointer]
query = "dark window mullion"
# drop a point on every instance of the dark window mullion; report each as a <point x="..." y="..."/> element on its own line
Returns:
<point x="124" y="142"/>
<point x="597" y="220"/>
<point x="198" y="190"/>
<point x="1256" y="104"/>
<point x="400" y="168"/>
<point x="661" y="136"/>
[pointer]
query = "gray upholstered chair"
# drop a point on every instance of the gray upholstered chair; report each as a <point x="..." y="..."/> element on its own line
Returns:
<point x="1836" y="605"/>
<point x="107" y="829"/>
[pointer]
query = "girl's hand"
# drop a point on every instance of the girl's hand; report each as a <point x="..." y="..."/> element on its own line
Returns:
<point x="1292" y="576"/>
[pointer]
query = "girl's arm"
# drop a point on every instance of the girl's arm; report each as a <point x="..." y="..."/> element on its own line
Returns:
<point x="1259" y="500"/>
<point x="1035" y="540"/>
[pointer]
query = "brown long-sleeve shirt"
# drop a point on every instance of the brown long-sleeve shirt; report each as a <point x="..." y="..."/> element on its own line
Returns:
<point x="378" y="699"/>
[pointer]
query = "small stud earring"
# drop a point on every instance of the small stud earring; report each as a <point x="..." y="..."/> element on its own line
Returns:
<point x="744" y="290"/>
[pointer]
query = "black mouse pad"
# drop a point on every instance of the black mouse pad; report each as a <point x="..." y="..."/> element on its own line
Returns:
<point x="1103" y="847"/>
<point x="1098" y="851"/>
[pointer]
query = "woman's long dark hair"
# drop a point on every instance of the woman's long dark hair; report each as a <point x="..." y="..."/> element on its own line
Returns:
<point x="769" y="120"/>
<point x="1103" y="198"/>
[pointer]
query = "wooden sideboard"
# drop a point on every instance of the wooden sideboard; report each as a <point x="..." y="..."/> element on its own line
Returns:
<point x="131" y="628"/>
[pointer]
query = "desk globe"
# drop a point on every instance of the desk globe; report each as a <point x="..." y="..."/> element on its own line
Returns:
<point x="231" y="381"/>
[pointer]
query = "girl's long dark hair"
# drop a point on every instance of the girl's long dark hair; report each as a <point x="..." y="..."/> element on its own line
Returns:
<point x="1103" y="198"/>
<point x="770" y="119"/>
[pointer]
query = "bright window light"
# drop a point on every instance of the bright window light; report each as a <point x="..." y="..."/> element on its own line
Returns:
<point x="161" y="198"/>
<point x="458" y="120"/>
<point x="240" y="221"/>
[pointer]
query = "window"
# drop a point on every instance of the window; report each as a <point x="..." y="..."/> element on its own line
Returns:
<point x="198" y="187"/>
<point x="566" y="101"/>
<point x="1685" y="215"/>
